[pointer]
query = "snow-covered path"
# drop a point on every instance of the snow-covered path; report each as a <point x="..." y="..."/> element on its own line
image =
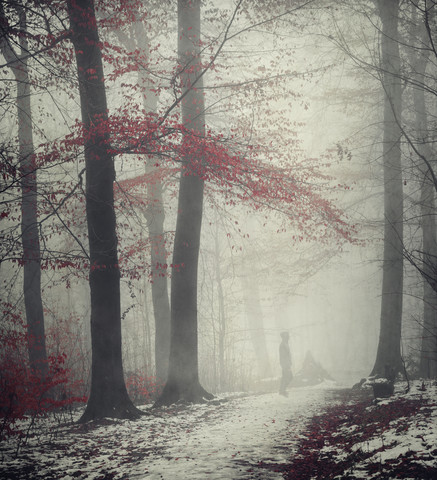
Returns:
<point x="243" y="437"/>
<point x="217" y="440"/>
<point x="240" y="433"/>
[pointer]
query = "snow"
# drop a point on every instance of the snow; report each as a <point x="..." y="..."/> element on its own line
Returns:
<point x="223" y="439"/>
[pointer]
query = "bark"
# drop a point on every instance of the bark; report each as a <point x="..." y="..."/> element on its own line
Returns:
<point x="183" y="375"/>
<point x="31" y="256"/>
<point x="389" y="352"/>
<point x="108" y="396"/>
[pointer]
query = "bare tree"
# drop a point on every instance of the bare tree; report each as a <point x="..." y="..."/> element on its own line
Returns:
<point x="389" y="352"/>
<point x="137" y="39"/>
<point x="31" y="256"/>
<point x="183" y="375"/>
<point x="419" y="55"/>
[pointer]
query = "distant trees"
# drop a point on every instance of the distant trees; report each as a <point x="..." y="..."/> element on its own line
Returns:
<point x="405" y="68"/>
<point x="255" y="321"/>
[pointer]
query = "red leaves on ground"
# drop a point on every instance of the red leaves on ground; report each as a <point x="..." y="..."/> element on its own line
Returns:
<point x="327" y="449"/>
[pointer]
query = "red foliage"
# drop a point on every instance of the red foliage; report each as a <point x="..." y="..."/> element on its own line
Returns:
<point x="142" y="389"/>
<point x="23" y="394"/>
<point x="255" y="164"/>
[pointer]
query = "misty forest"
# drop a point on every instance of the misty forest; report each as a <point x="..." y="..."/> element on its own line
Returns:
<point x="218" y="239"/>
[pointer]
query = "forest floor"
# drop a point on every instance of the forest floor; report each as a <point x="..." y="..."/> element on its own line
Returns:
<point x="316" y="432"/>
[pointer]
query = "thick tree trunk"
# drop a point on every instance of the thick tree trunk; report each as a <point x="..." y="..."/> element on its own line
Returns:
<point x="183" y="376"/>
<point x="389" y="352"/>
<point x="31" y="256"/>
<point x="108" y="396"/>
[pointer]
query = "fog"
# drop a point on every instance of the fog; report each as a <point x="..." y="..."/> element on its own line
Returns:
<point x="297" y="93"/>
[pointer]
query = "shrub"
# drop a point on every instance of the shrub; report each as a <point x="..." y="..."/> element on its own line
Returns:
<point x="24" y="394"/>
<point x="142" y="389"/>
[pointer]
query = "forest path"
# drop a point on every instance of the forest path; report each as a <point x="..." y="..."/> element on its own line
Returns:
<point x="225" y="439"/>
<point x="229" y="442"/>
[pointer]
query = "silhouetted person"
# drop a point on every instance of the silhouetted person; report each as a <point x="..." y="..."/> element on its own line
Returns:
<point x="285" y="361"/>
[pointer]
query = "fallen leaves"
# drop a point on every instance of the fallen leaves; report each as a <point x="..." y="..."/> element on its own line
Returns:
<point x="361" y="440"/>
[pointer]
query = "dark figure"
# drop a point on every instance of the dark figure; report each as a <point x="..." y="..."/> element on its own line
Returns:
<point x="285" y="361"/>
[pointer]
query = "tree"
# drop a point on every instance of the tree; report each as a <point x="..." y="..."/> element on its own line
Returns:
<point x="255" y="322"/>
<point x="31" y="256"/>
<point x="416" y="79"/>
<point x="183" y="375"/>
<point x="155" y="216"/>
<point x="108" y="396"/>
<point x="416" y="128"/>
<point x="389" y="352"/>
<point x="135" y="38"/>
<point x="419" y="57"/>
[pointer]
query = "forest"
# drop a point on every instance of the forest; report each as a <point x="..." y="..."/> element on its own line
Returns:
<point x="186" y="182"/>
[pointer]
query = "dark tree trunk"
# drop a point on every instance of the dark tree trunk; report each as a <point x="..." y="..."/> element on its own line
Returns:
<point x="108" y="396"/>
<point x="31" y="256"/>
<point x="389" y="352"/>
<point x="183" y="375"/>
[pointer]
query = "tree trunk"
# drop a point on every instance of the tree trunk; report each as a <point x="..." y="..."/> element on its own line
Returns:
<point x="183" y="375"/>
<point x="428" y="351"/>
<point x="155" y="215"/>
<point x="108" y="396"/>
<point x="389" y="352"/>
<point x="256" y="327"/>
<point x="30" y="234"/>
<point x="222" y="327"/>
<point x="158" y="256"/>
<point x="31" y="256"/>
